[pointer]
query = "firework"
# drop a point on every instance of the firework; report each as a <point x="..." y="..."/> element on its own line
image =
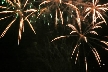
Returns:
<point x="59" y="6"/>
<point x="85" y="36"/>
<point x="96" y="10"/>
<point x="17" y="9"/>
<point x="56" y="5"/>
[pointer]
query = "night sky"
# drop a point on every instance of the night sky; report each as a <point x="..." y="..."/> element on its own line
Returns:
<point x="36" y="53"/>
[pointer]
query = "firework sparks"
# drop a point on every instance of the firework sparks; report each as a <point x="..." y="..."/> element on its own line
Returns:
<point x="84" y="38"/>
<point x="17" y="11"/>
<point x="96" y="11"/>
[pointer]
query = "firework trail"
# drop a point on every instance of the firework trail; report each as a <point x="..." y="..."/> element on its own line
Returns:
<point x="17" y="9"/>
